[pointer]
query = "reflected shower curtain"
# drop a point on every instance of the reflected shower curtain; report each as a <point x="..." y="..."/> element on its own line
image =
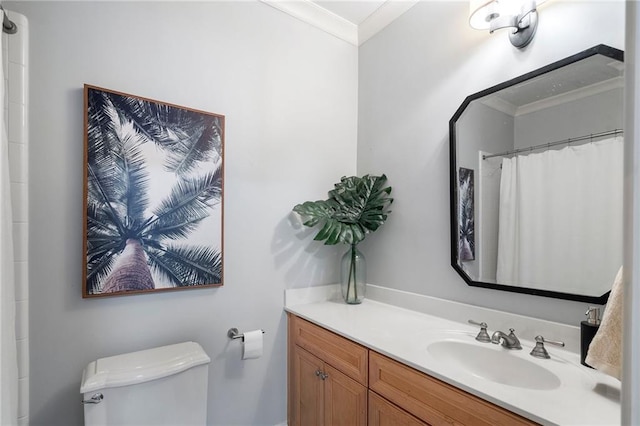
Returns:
<point x="555" y="206"/>
<point x="8" y="357"/>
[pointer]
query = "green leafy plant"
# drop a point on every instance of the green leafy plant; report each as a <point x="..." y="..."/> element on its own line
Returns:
<point x="356" y="207"/>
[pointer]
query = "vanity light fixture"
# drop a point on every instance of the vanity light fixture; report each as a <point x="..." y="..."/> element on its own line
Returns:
<point x="520" y="16"/>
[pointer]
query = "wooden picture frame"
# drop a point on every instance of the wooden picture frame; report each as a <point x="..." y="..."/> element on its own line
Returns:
<point x="153" y="195"/>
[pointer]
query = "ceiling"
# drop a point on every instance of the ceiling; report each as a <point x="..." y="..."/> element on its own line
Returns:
<point x="354" y="21"/>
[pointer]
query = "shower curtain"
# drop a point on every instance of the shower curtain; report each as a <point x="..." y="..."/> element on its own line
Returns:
<point x="555" y="206"/>
<point x="8" y="356"/>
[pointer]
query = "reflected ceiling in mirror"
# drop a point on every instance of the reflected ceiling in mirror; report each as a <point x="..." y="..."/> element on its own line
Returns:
<point x="536" y="180"/>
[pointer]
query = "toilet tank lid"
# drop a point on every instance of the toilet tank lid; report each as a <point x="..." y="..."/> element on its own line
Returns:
<point x="141" y="366"/>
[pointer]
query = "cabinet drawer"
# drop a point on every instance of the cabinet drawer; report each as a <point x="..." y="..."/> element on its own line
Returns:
<point x="346" y="356"/>
<point x="431" y="400"/>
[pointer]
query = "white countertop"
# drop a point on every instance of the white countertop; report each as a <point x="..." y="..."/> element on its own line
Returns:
<point x="584" y="396"/>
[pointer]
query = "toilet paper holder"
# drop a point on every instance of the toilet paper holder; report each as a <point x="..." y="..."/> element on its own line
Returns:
<point x="233" y="333"/>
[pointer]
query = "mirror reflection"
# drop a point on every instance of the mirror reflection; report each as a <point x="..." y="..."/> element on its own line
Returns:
<point x="536" y="180"/>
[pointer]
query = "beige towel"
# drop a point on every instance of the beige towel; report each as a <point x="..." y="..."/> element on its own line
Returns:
<point x="605" y="350"/>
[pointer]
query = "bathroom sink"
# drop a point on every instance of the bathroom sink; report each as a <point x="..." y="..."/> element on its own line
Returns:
<point x="494" y="363"/>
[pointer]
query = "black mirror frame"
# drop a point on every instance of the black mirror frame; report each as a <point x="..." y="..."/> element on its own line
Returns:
<point x="600" y="49"/>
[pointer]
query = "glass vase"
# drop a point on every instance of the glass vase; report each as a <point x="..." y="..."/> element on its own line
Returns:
<point x="353" y="276"/>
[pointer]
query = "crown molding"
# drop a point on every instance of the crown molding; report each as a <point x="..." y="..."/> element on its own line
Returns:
<point x="383" y="16"/>
<point x="319" y="17"/>
<point x="501" y="105"/>
<point x="573" y="95"/>
<point x="311" y="13"/>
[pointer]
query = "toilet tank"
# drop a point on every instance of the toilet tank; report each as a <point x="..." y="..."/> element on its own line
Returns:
<point x="159" y="386"/>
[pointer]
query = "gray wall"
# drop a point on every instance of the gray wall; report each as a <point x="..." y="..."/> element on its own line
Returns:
<point x="289" y="93"/>
<point x="412" y="78"/>
<point x="487" y="129"/>
<point x="592" y="114"/>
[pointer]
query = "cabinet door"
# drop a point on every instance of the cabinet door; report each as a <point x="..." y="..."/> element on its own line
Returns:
<point x="384" y="413"/>
<point x="345" y="400"/>
<point x="307" y="389"/>
<point x="347" y="356"/>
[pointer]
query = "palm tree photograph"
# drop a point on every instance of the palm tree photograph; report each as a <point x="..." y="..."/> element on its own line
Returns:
<point x="466" y="216"/>
<point x="153" y="191"/>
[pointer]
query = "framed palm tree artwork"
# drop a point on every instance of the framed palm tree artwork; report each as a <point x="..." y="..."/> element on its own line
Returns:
<point x="153" y="192"/>
<point x="466" y="215"/>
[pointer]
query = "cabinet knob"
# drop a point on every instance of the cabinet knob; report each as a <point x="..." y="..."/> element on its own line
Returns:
<point x="321" y="374"/>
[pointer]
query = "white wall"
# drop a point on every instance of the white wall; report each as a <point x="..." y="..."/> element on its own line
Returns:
<point x="14" y="50"/>
<point x="412" y="78"/>
<point x="289" y="93"/>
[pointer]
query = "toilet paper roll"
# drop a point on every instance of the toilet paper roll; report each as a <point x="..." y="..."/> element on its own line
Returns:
<point x="252" y="344"/>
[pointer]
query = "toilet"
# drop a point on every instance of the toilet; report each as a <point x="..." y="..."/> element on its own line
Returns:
<point x="160" y="386"/>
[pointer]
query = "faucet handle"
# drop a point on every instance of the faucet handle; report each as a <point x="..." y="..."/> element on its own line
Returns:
<point x="539" y="351"/>
<point x="516" y="344"/>
<point x="482" y="336"/>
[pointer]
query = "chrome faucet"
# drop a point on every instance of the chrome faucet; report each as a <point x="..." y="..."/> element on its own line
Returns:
<point x="509" y="341"/>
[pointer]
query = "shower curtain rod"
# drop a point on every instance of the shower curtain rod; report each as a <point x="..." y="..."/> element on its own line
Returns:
<point x="7" y="24"/>
<point x="550" y="144"/>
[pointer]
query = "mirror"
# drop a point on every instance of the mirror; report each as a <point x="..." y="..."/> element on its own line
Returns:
<point x="536" y="180"/>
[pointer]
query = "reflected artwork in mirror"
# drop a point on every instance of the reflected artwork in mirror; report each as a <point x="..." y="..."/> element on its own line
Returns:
<point x="544" y="152"/>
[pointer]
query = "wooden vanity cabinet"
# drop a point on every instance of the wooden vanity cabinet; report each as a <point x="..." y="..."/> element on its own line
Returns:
<point x="335" y="381"/>
<point x="327" y="377"/>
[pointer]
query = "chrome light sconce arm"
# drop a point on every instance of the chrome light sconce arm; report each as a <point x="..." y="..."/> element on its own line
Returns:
<point x="495" y="14"/>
